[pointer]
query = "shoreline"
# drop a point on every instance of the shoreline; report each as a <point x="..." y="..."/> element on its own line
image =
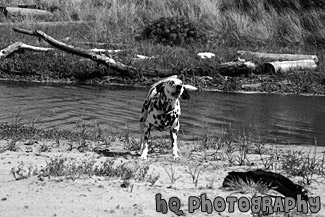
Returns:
<point x="137" y="85"/>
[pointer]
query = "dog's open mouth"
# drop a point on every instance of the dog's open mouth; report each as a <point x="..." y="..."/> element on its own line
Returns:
<point x="176" y="94"/>
<point x="185" y="94"/>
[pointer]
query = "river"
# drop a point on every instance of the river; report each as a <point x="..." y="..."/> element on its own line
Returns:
<point x="274" y="118"/>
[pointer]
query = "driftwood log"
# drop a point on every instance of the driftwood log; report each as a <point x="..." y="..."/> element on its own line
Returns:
<point x="236" y="68"/>
<point x="19" y="46"/>
<point x="107" y="61"/>
<point x="27" y="11"/>
<point x="286" y="66"/>
<point x="249" y="55"/>
<point x="272" y="180"/>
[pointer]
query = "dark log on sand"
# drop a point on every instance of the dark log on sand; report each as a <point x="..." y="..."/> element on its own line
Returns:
<point x="108" y="62"/>
<point x="249" y="55"/>
<point x="18" y="46"/>
<point x="273" y="181"/>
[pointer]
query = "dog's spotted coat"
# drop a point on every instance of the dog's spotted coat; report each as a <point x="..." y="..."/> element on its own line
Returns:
<point x="161" y="111"/>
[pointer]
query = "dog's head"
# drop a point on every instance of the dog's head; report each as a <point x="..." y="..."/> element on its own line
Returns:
<point x="173" y="88"/>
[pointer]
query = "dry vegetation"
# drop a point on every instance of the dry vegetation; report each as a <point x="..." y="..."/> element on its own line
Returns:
<point x="265" y="22"/>
<point x="52" y="157"/>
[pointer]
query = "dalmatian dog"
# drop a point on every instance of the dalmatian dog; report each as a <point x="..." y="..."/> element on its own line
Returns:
<point x="161" y="111"/>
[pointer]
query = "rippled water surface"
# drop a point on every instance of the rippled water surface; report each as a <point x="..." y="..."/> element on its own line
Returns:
<point x="274" y="118"/>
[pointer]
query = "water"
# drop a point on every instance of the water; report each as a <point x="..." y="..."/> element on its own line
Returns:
<point x="274" y="118"/>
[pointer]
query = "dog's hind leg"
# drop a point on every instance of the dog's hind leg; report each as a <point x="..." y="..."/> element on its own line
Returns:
<point x="173" y="137"/>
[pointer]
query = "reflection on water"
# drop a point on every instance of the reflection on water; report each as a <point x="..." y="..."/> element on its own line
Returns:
<point x="274" y="118"/>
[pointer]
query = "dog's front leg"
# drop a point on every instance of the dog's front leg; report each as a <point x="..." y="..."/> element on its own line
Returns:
<point x="144" y="143"/>
<point x="173" y="137"/>
<point x="141" y="137"/>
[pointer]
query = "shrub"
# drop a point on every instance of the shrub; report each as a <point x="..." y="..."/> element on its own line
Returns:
<point x="173" y="31"/>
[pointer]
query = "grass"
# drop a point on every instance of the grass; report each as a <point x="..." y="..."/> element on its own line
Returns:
<point x="72" y="168"/>
<point x="306" y="164"/>
<point x="227" y="22"/>
<point x="238" y="149"/>
<point x="248" y="186"/>
<point x="171" y="173"/>
<point x="194" y="171"/>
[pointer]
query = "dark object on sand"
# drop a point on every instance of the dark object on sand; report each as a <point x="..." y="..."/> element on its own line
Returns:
<point x="272" y="180"/>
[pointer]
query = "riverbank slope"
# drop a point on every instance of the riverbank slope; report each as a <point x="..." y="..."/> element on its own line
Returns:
<point x="224" y="28"/>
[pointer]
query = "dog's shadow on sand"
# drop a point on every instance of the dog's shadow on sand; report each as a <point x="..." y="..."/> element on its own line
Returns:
<point x="165" y="158"/>
<point x="113" y="153"/>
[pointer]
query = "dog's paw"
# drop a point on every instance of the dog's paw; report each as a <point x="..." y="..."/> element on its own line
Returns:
<point x="176" y="157"/>
<point x="143" y="157"/>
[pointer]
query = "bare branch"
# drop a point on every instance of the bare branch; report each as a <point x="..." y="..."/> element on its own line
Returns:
<point x="107" y="61"/>
<point x="24" y="31"/>
<point x="18" y="46"/>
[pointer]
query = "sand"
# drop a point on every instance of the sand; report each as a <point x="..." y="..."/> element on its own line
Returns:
<point x="109" y="196"/>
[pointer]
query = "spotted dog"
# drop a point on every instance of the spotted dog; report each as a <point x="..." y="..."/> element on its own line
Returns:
<point x="161" y="111"/>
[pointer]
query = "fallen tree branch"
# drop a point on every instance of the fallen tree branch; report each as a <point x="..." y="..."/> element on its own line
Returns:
<point x="18" y="46"/>
<point x="95" y="50"/>
<point x="24" y="31"/>
<point x="107" y="61"/>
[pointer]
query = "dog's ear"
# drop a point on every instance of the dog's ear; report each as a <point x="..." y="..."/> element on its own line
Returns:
<point x="185" y="94"/>
<point x="160" y="88"/>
